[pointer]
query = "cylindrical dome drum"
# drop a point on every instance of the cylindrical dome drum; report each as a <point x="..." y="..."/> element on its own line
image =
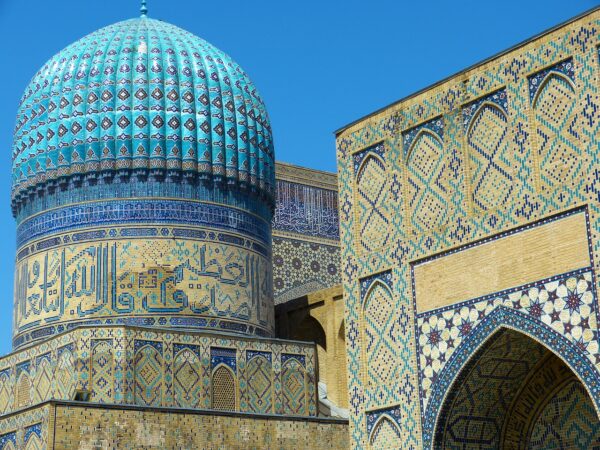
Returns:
<point x="143" y="177"/>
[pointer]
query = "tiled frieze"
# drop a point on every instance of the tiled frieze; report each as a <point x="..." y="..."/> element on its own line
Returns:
<point x="155" y="367"/>
<point x="504" y="144"/>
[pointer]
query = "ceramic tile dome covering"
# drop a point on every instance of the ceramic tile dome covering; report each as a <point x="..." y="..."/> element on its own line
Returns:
<point x="144" y="98"/>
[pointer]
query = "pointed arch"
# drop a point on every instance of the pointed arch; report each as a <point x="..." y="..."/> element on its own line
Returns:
<point x="370" y="157"/>
<point x="418" y="136"/>
<point x="6" y="391"/>
<point x="546" y="80"/>
<point x="43" y="378"/>
<point x="65" y="374"/>
<point x="371" y="197"/>
<point x="489" y="161"/>
<point x="384" y="431"/>
<point x="23" y="395"/>
<point x="223" y="385"/>
<point x="500" y="319"/>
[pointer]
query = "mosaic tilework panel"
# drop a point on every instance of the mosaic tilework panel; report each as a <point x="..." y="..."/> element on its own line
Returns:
<point x="477" y="408"/>
<point x="372" y="196"/>
<point x="380" y="337"/>
<point x="30" y="430"/>
<point x="171" y="276"/>
<point x="260" y="381"/>
<point x="160" y="367"/>
<point x="173" y="430"/>
<point x="301" y="267"/>
<point x="491" y="141"/>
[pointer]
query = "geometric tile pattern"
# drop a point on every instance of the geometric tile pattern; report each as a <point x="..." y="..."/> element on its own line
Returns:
<point x="187" y="376"/>
<point x="380" y="342"/>
<point x="157" y="367"/>
<point x="26" y="430"/>
<point x="148" y="373"/>
<point x="566" y="304"/>
<point x="33" y="437"/>
<point x="301" y="266"/>
<point x="428" y="184"/>
<point x="260" y="385"/>
<point x="491" y="144"/>
<point x="384" y="432"/>
<point x="515" y="393"/>
<point x="306" y="246"/>
<point x="64" y="376"/>
<point x="475" y="411"/>
<point x="372" y="188"/>
<point x="556" y="140"/>
<point x="488" y="152"/>
<point x="295" y="392"/>
<point x="375" y="427"/>
<point x="567" y="421"/>
<point x="102" y="371"/>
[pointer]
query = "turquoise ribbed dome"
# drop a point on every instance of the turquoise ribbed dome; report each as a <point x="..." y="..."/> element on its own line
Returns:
<point x="141" y="98"/>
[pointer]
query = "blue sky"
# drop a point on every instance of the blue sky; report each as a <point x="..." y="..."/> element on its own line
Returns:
<point x="318" y="64"/>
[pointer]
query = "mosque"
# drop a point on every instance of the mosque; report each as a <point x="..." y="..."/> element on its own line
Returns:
<point x="177" y="288"/>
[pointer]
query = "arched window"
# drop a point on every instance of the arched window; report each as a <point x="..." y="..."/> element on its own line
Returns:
<point x="23" y="390"/>
<point x="223" y="389"/>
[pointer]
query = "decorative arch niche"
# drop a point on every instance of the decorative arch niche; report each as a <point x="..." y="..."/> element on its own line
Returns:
<point x="428" y="169"/>
<point x="557" y="143"/>
<point x="371" y="196"/>
<point x="490" y="173"/>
